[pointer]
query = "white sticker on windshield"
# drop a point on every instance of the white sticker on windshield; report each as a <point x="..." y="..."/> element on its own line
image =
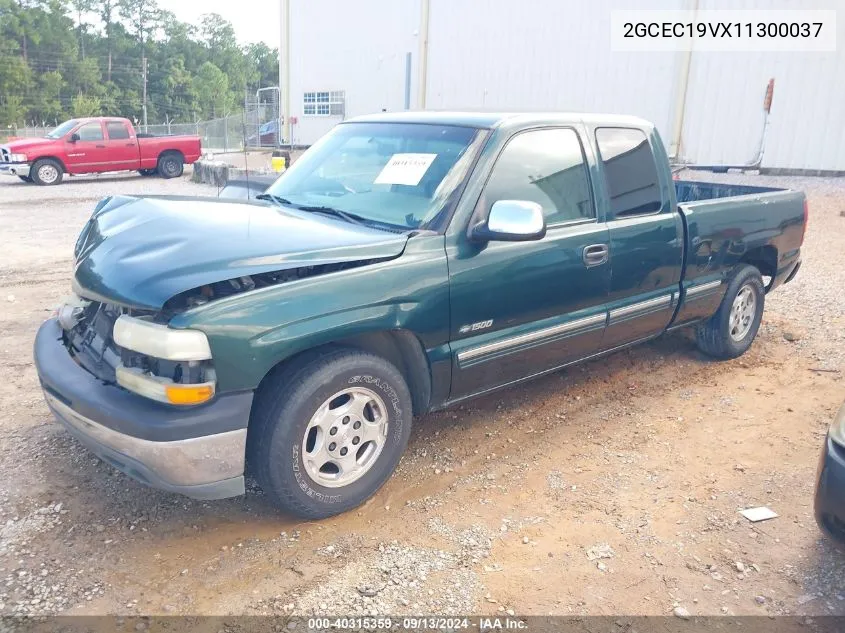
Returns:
<point x="405" y="169"/>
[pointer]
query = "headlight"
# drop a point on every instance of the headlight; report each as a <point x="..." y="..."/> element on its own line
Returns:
<point x="837" y="429"/>
<point x="17" y="158"/>
<point x="160" y="341"/>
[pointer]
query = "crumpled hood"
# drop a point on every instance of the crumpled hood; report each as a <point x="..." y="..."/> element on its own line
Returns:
<point x="140" y="252"/>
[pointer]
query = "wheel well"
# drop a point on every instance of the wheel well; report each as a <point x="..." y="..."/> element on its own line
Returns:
<point x="53" y="158"/>
<point x="765" y="259"/>
<point x="401" y="348"/>
<point x="171" y="151"/>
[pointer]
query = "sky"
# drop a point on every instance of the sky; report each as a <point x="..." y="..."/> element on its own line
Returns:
<point x="253" y="20"/>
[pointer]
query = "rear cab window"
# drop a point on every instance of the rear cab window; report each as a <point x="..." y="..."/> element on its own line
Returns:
<point x="630" y="172"/>
<point x="546" y="166"/>
<point x="117" y="130"/>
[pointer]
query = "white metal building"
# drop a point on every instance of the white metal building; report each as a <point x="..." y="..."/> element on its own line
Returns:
<point x="349" y="58"/>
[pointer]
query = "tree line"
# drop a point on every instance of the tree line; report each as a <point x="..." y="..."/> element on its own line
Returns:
<point x="69" y="58"/>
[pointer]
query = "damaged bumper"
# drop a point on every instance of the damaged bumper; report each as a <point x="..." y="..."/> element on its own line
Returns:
<point x="198" y="451"/>
<point x="14" y="169"/>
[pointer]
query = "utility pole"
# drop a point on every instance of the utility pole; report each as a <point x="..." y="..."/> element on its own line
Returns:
<point x="144" y="72"/>
<point x="422" y="77"/>
<point x="284" y="67"/>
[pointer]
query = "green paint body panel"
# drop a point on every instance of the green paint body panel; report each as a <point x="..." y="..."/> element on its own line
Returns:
<point x="545" y="309"/>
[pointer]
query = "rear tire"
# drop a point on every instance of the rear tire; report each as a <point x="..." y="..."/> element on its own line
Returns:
<point x="148" y="172"/>
<point x="170" y="165"/>
<point x="327" y="432"/>
<point x="731" y="331"/>
<point x="46" y="172"/>
<point x="25" y="178"/>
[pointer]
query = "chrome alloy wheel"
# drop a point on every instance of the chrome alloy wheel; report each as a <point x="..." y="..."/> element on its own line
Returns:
<point x="48" y="174"/>
<point x="742" y="313"/>
<point x="345" y="437"/>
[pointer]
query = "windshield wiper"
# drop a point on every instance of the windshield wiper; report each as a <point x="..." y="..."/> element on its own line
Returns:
<point x="272" y="198"/>
<point x="343" y="215"/>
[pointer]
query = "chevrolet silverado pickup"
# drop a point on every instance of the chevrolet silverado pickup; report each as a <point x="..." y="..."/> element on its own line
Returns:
<point x="96" y="145"/>
<point x="404" y="263"/>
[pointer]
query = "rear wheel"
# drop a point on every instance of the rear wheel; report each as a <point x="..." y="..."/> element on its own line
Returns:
<point x="46" y="172"/>
<point x="731" y="331"/>
<point x="170" y="165"/>
<point x="25" y="178"/>
<point x="328" y="432"/>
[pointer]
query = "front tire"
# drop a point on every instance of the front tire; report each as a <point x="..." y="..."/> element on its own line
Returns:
<point x="46" y="172"/>
<point x="25" y="178"/>
<point x="147" y="172"/>
<point x="170" y="165"/>
<point x="328" y="432"/>
<point x="731" y="331"/>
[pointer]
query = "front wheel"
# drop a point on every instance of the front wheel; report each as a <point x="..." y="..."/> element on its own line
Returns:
<point x="25" y="178"/>
<point x="327" y="433"/>
<point x="730" y="332"/>
<point x="46" y="172"/>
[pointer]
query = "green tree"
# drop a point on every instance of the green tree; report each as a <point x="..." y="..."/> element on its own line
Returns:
<point x="12" y="110"/>
<point x="47" y="105"/>
<point x="81" y="7"/>
<point x="142" y="19"/>
<point x="84" y="105"/>
<point x="213" y="91"/>
<point x="107" y="10"/>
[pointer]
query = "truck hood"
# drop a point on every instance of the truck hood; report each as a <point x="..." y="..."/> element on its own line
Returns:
<point x="140" y="252"/>
<point x="22" y="145"/>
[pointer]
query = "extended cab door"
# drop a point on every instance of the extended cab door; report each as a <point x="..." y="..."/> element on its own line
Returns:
<point x="122" y="146"/>
<point x="646" y="234"/>
<point x="521" y="308"/>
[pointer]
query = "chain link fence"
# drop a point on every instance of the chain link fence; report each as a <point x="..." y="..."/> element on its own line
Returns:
<point x="257" y="126"/>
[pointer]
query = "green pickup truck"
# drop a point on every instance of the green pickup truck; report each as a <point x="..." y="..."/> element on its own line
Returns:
<point x="404" y="263"/>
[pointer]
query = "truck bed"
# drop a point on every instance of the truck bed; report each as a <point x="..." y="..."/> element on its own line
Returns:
<point x="728" y="224"/>
<point x="695" y="191"/>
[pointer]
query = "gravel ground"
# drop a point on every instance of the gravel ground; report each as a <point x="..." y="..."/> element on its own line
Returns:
<point x="610" y="488"/>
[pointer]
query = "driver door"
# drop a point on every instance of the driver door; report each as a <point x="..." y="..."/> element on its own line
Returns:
<point x="519" y="309"/>
<point x="90" y="153"/>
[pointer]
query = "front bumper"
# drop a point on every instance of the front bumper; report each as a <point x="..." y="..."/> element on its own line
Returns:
<point x="195" y="451"/>
<point x="14" y="169"/>
<point x="830" y="490"/>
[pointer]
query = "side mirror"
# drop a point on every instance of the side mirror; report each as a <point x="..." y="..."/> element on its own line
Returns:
<point x="512" y="221"/>
<point x="74" y="137"/>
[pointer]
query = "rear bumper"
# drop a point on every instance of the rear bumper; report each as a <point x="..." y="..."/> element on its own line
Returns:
<point x="195" y="451"/>
<point x="14" y="169"/>
<point x="830" y="490"/>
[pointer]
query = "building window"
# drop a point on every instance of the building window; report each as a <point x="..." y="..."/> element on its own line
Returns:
<point x="325" y="103"/>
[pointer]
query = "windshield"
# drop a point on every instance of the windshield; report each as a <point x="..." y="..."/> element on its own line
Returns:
<point x="399" y="174"/>
<point x="63" y="129"/>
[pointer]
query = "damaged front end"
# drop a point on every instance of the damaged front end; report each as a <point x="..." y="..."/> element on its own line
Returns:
<point x="122" y="346"/>
<point x="221" y="289"/>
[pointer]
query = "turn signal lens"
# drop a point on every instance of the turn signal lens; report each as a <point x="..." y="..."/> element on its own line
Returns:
<point x="189" y="394"/>
<point x="162" y="389"/>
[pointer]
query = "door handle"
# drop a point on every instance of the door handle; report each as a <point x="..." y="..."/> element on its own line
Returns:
<point x="595" y="255"/>
<point x="130" y="145"/>
<point x="100" y="146"/>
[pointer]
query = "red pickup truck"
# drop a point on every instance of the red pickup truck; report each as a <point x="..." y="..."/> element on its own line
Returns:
<point x="94" y="145"/>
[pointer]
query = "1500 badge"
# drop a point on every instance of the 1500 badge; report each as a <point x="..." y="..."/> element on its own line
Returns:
<point x="474" y="327"/>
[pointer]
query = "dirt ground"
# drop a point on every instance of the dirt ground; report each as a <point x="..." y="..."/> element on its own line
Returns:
<point x="610" y="488"/>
